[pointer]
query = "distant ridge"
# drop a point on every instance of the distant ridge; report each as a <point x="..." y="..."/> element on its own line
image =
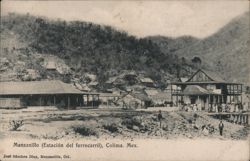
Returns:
<point x="226" y="51"/>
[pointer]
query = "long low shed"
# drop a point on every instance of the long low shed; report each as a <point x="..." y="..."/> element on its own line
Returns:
<point x="44" y="93"/>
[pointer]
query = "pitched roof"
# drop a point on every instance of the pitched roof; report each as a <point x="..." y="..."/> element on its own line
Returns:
<point x="196" y="90"/>
<point x="161" y="96"/>
<point x="111" y="80"/>
<point x="93" y="83"/>
<point x="37" y="87"/>
<point x="51" y="65"/>
<point x="82" y="87"/>
<point x="151" y="92"/>
<point x="91" y="76"/>
<point x="146" y="80"/>
<point x="109" y="95"/>
<point x="213" y="76"/>
<point x="128" y="72"/>
<point x="140" y="96"/>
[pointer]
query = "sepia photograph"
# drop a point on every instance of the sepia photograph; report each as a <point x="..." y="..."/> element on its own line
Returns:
<point x="125" y="80"/>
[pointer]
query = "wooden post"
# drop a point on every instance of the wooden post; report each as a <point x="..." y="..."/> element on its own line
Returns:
<point x="182" y="98"/>
<point x="77" y="101"/>
<point x="230" y="92"/>
<point x="177" y="102"/>
<point x="40" y="101"/>
<point x="108" y="102"/>
<point x="209" y="102"/>
<point x="171" y="91"/>
<point x="233" y="89"/>
<point x="83" y="100"/>
<point x="241" y="93"/>
<point x="92" y="100"/>
<point x="238" y="118"/>
<point x="87" y="99"/>
<point x="54" y="100"/>
<point x="98" y="100"/>
<point x="68" y="102"/>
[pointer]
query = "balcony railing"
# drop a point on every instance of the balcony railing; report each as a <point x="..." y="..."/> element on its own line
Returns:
<point x="176" y="91"/>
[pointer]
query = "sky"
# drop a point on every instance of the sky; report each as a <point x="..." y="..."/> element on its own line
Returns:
<point x="140" y="18"/>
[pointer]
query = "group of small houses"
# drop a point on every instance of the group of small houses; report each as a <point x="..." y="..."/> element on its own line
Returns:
<point x="203" y="90"/>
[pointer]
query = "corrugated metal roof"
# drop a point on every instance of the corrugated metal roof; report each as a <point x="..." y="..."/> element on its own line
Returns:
<point x="37" y="87"/>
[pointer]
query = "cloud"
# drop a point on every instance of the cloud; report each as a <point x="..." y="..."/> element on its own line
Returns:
<point x="140" y="18"/>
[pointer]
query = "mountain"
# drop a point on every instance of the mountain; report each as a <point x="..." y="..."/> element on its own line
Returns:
<point x="27" y="41"/>
<point x="84" y="47"/>
<point x="226" y="51"/>
<point x="169" y="45"/>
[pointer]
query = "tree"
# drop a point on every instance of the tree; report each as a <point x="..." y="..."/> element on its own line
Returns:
<point x="219" y="66"/>
<point x="248" y="89"/>
<point x="196" y="61"/>
<point x="183" y="61"/>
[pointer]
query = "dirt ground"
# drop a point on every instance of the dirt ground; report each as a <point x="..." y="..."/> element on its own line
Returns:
<point x="114" y="123"/>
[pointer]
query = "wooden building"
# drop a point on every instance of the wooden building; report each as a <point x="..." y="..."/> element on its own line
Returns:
<point x="44" y="93"/>
<point x="51" y="66"/>
<point x="206" y="88"/>
<point x="148" y="82"/>
<point x="109" y="99"/>
<point x="135" y="101"/>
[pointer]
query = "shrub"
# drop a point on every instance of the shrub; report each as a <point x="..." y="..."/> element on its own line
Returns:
<point x="190" y="121"/>
<point x="16" y="124"/>
<point x="129" y="123"/>
<point x="111" y="128"/>
<point x="84" y="131"/>
<point x="195" y="115"/>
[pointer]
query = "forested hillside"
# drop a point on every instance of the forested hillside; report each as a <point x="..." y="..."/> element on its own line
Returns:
<point x="88" y="47"/>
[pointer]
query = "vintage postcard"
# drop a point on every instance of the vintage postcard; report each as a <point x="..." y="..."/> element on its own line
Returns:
<point x="125" y="80"/>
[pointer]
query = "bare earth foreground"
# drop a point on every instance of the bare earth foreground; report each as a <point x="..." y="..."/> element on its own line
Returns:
<point x="115" y="123"/>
